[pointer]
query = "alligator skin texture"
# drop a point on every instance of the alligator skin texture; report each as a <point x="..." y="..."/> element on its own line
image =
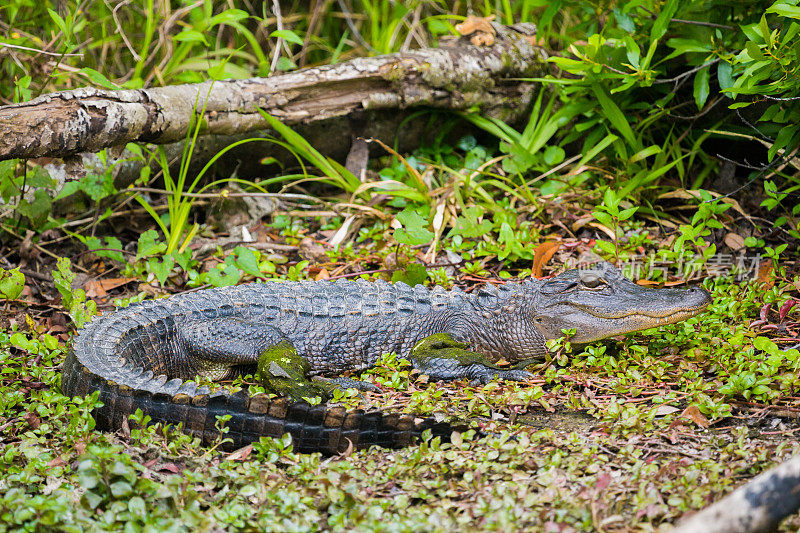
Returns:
<point x="145" y="356"/>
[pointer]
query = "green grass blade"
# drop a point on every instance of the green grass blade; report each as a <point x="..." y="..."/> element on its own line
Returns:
<point x="615" y="116"/>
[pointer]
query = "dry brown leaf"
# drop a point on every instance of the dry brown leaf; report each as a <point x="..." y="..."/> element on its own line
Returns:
<point x="99" y="288"/>
<point x="603" y="481"/>
<point x="694" y="414"/>
<point x="604" y="229"/>
<point x="170" y="467"/>
<point x="581" y="222"/>
<point x="56" y="461"/>
<point x="323" y="274"/>
<point x="33" y="421"/>
<point x="148" y="289"/>
<point x="662" y="410"/>
<point x="94" y="289"/>
<point x="543" y="253"/>
<point x="350" y="449"/>
<point x="26" y="294"/>
<point x="311" y="250"/>
<point x="766" y="274"/>
<point x="80" y="446"/>
<point x="241" y="454"/>
<point x="660" y="220"/>
<point x="734" y="241"/>
<point x="680" y="194"/>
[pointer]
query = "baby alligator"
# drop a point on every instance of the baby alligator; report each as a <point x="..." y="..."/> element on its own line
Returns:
<point x="294" y="334"/>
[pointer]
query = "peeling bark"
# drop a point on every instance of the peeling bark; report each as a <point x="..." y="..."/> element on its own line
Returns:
<point x="455" y="77"/>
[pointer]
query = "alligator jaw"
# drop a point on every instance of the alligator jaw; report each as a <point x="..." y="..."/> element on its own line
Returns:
<point x="677" y="312"/>
<point x="609" y="327"/>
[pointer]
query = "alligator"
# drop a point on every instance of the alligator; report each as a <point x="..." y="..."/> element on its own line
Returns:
<point x="299" y="337"/>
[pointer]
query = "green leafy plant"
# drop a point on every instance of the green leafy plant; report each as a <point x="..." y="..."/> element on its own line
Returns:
<point x="11" y="283"/>
<point x="529" y="149"/>
<point x="692" y="236"/>
<point x="609" y="214"/>
<point x="74" y="300"/>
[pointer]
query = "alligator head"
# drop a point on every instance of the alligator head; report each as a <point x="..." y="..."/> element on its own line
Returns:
<point x="601" y="302"/>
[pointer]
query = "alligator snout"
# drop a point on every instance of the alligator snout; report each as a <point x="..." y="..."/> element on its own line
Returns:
<point x="606" y="303"/>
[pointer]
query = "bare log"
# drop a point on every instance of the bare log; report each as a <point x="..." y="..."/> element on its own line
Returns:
<point x="454" y="77"/>
<point x="759" y="506"/>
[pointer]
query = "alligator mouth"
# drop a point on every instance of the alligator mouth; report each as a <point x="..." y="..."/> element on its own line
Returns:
<point x="661" y="320"/>
<point x="657" y="319"/>
<point x="609" y="326"/>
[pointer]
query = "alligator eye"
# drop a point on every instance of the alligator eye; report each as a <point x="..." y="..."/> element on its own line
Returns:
<point x="591" y="281"/>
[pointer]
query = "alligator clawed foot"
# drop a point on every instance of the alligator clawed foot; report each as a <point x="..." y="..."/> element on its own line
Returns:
<point x="443" y="358"/>
<point x="484" y="375"/>
<point x="283" y="371"/>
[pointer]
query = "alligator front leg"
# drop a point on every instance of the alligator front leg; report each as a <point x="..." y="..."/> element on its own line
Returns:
<point x="443" y="358"/>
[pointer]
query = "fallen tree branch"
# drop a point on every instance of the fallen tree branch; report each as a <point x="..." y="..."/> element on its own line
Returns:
<point x="456" y="77"/>
<point x="758" y="506"/>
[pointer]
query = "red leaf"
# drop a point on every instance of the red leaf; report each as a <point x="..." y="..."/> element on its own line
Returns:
<point x="603" y="481"/>
<point x="56" y="461"/>
<point x="170" y="467"/>
<point x="764" y="311"/>
<point x="785" y="308"/>
<point x="32" y="420"/>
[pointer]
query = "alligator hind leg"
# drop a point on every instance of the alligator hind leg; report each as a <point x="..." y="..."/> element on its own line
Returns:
<point x="213" y="348"/>
<point x="216" y="347"/>
<point x="283" y="371"/>
<point x="443" y="358"/>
